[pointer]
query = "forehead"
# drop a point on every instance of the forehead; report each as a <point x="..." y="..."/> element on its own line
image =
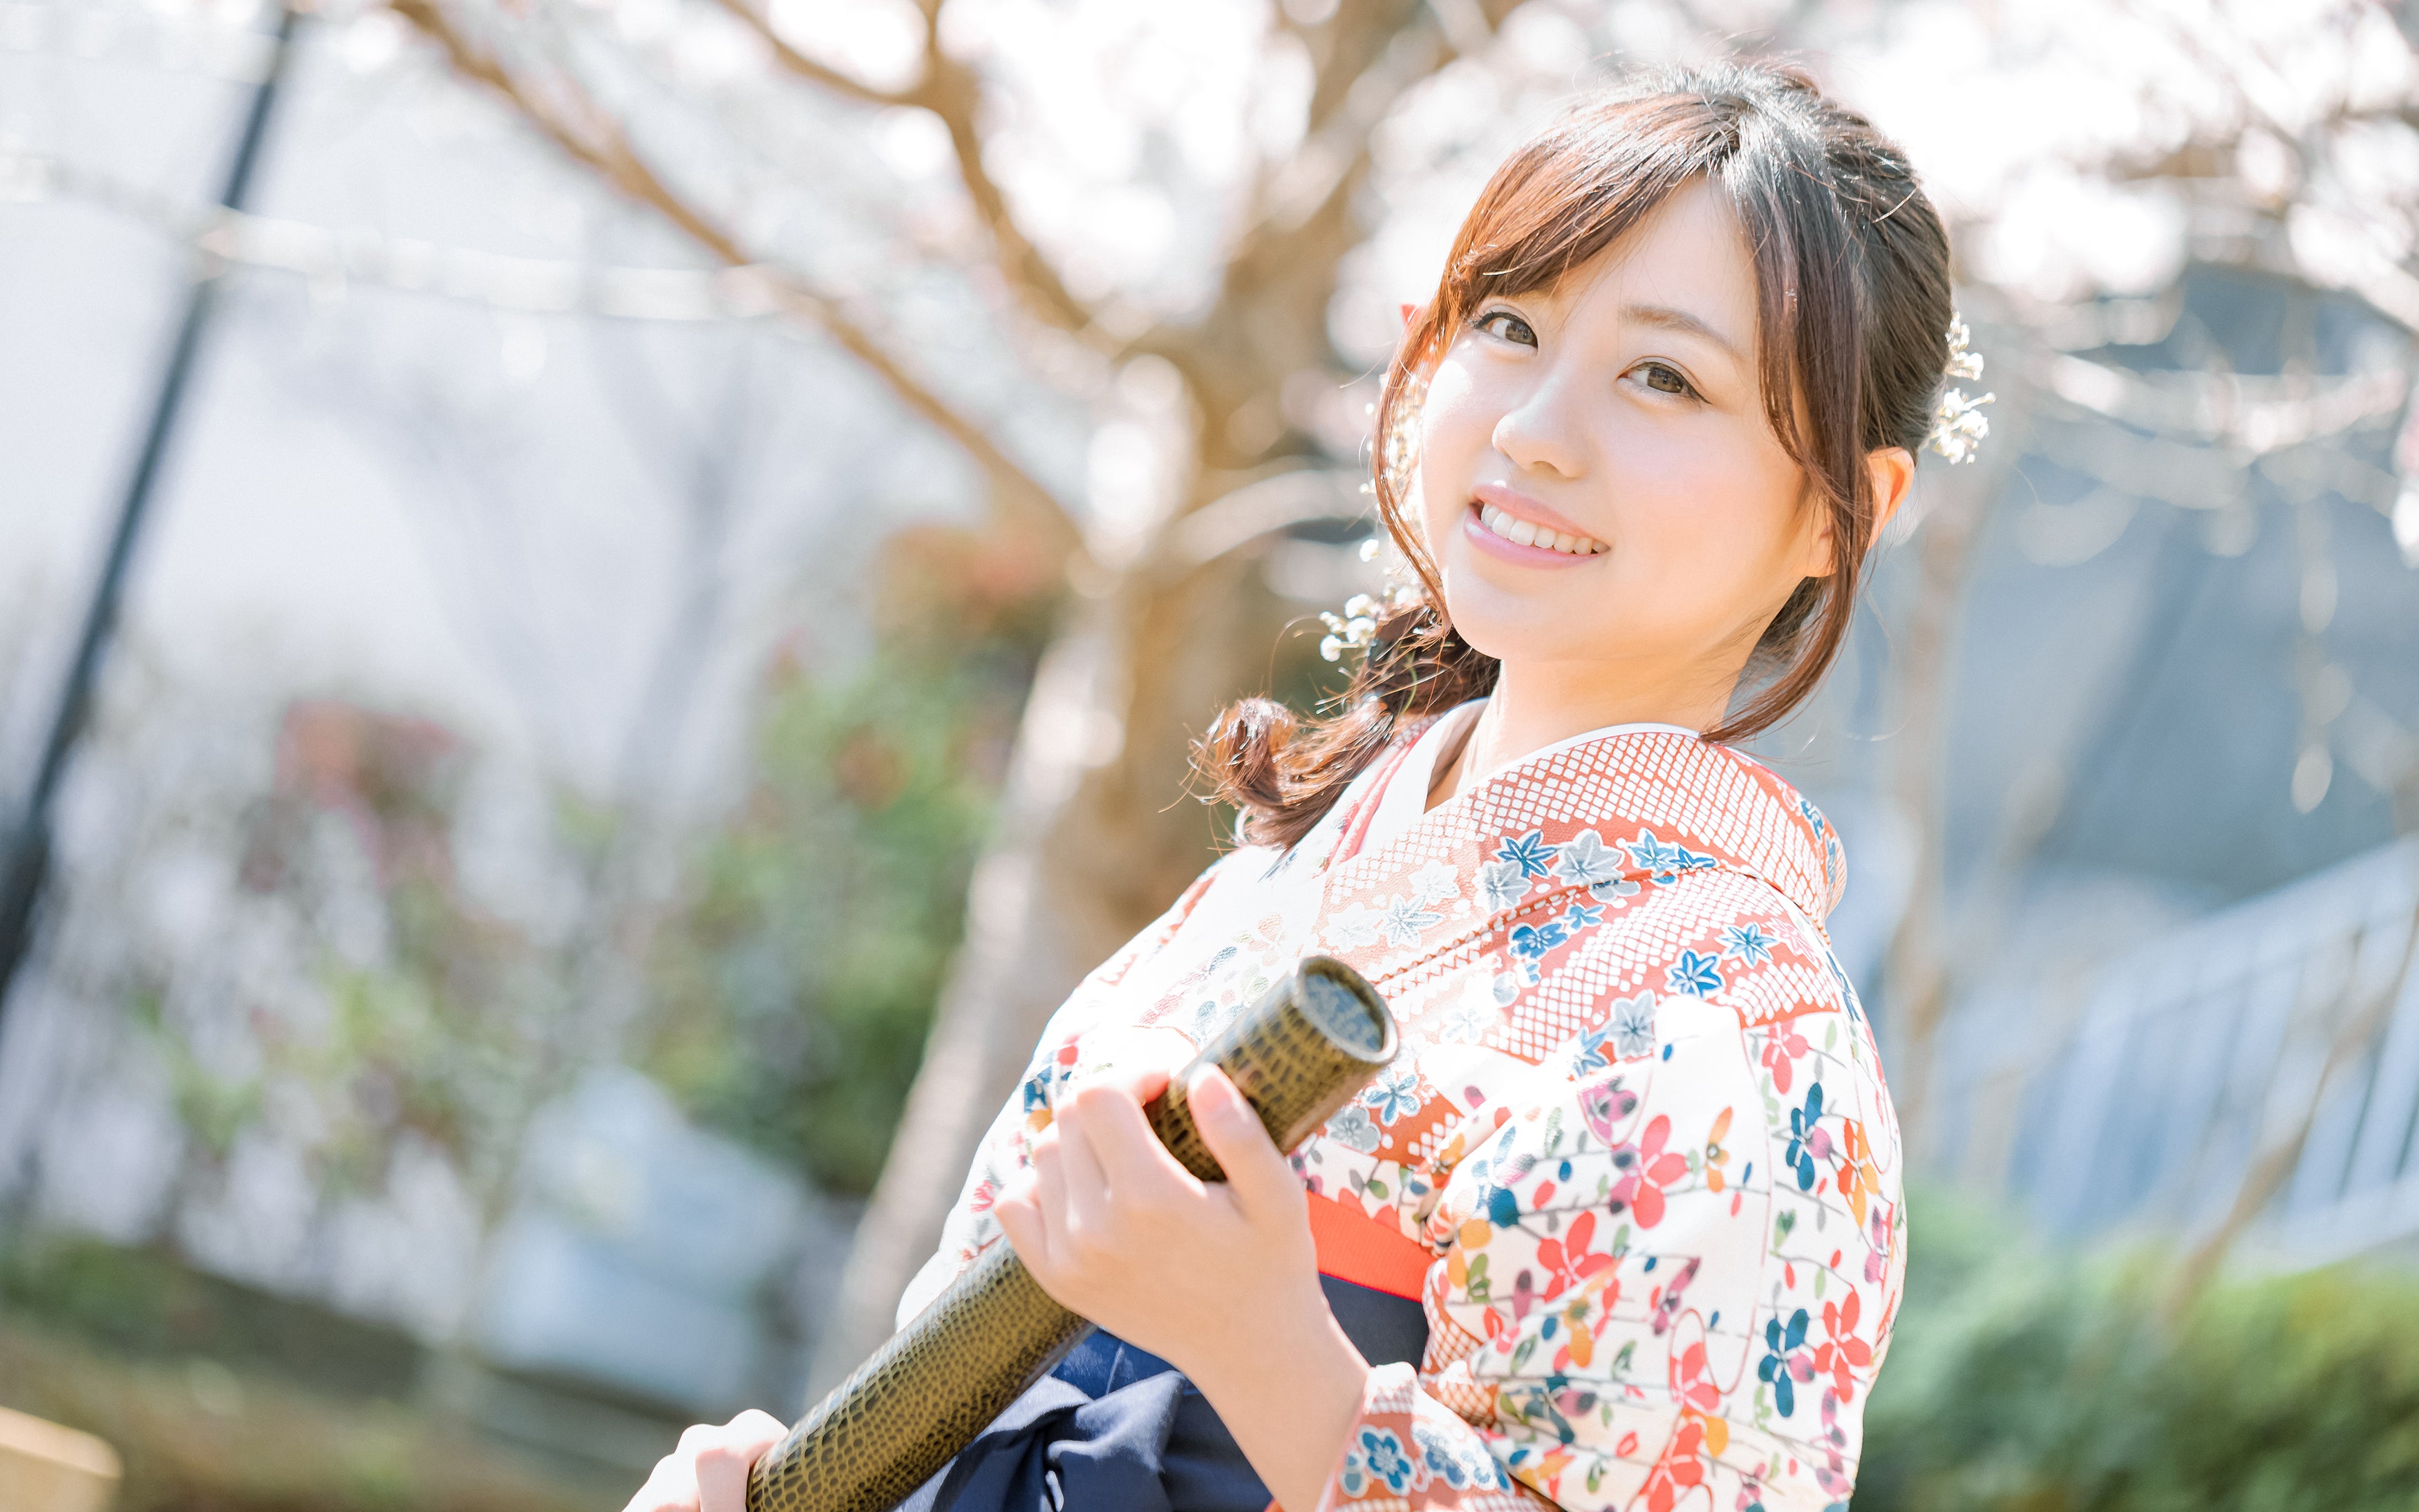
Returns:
<point x="1687" y="254"/>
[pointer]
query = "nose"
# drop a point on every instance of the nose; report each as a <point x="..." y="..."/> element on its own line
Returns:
<point x="1542" y="430"/>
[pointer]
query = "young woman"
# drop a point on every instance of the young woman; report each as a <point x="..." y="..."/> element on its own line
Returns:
<point x="1622" y="1226"/>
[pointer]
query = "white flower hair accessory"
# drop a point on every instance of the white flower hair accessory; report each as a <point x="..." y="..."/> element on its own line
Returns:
<point x="1356" y="628"/>
<point x="1957" y="421"/>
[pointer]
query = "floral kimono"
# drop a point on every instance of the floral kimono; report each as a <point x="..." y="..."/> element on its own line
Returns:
<point x="1636" y="1146"/>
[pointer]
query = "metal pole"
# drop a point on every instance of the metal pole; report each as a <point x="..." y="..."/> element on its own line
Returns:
<point x="27" y="862"/>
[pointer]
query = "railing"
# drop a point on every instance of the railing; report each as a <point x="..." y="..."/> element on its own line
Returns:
<point x="2253" y="1073"/>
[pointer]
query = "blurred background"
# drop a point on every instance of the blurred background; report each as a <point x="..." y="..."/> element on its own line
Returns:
<point x="601" y="603"/>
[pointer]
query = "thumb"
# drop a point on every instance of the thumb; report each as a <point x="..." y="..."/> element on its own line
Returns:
<point x="1257" y="1171"/>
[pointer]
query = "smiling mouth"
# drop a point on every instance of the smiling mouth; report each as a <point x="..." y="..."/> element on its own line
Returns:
<point x="1524" y="532"/>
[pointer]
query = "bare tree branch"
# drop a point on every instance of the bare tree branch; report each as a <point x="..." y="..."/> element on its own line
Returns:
<point x="589" y="136"/>
<point x="1364" y="60"/>
<point x="806" y="68"/>
<point x="952" y="91"/>
<point x="1268" y="320"/>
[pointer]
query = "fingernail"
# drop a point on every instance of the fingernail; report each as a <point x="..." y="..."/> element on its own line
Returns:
<point x="1230" y="1103"/>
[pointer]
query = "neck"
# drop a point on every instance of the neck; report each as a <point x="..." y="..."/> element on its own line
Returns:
<point x="1536" y="705"/>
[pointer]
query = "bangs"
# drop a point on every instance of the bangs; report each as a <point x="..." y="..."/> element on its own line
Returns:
<point x="1573" y="192"/>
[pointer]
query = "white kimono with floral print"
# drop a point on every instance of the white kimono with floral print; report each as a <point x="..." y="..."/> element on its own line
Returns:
<point x="1637" y="1119"/>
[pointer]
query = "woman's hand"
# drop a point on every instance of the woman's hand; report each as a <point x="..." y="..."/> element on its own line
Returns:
<point x="708" y="1471"/>
<point x="1114" y="1228"/>
<point x="1221" y="1279"/>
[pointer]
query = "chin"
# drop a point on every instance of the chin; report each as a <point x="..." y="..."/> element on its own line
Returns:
<point x="1504" y="625"/>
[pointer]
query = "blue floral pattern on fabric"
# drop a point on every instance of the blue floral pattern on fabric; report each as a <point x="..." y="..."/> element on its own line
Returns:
<point x="1530" y="853"/>
<point x="1405" y="917"/>
<point x="1394" y="1095"/>
<point x="1589" y="1055"/>
<point x="1748" y="944"/>
<point x="1808" y="1143"/>
<point x="1585" y="860"/>
<point x="1528" y="944"/>
<point x="1604" y="892"/>
<point x="1376" y="1455"/>
<point x="1694" y="974"/>
<point x="1780" y="1367"/>
<point x="1664" y="860"/>
<point x="1456" y="1467"/>
<point x="1633" y="1026"/>
<point x="1502" y="884"/>
<point x="1352" y="1129"/>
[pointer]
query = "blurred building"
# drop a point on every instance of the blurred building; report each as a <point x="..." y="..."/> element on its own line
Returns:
<point x="2183" y="738"/>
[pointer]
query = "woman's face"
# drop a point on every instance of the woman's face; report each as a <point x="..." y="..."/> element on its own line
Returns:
<point x="1597" y="477"/>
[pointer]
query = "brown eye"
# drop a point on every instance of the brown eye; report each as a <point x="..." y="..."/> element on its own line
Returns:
<point x="1664" y="378"/>
<point x="1507" y="326"/>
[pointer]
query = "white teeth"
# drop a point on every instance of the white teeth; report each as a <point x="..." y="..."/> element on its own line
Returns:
<point x="1524" y="532"/>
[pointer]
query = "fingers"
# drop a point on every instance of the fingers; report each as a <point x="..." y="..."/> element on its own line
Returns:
<point x="723" y="1466"/>
<point x="1262" y="1180"/>
<point x="1138" y="1061"/>
<point x="1048" y="1194"/>
<point x="708" y="1471"/>
<point x="1136" y="1165"/>
<point x="1086" y="1185"/>
<point x="1139" y="1081"/>
<point x="1022" y="1226"/>
<point x="672" y="1487"/>
<point x="1032" y="1206"/>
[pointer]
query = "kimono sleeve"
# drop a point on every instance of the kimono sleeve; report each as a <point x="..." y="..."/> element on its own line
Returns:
<point x="1612" y="1322"/>
<point x="970" y="1228"/>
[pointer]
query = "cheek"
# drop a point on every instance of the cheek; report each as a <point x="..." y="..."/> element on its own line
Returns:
<point x="1711" y="510"/>
<point x="1455" y="425"/>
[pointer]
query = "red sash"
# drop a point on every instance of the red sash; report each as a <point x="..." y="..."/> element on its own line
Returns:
<point x="1365" y="1251"/>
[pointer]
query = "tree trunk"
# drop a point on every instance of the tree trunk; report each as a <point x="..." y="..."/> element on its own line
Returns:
<point x="1094" y="837"/>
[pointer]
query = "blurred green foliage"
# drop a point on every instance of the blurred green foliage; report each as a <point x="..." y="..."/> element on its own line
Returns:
<point x="445" y="1028"/>
<point x="129" y="1299"/>
<point x="2022" y="1379"/>
<point x="197" y="1436"/>
<point x="793" y="987"/>
<point x="148" y="1303"/>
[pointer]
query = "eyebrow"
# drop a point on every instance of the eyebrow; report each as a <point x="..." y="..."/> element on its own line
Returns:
<point x="1681" y="320"/>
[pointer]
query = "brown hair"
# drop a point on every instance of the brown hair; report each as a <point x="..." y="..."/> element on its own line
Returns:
<point x="1852" y="312"/>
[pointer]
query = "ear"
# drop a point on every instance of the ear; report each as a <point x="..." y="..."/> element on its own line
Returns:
<point x="1892" y="468"/>
<point x="1411" y="312"/>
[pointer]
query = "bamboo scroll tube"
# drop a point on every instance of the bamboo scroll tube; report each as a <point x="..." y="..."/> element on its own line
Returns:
<point x="1299" y="1054"/>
